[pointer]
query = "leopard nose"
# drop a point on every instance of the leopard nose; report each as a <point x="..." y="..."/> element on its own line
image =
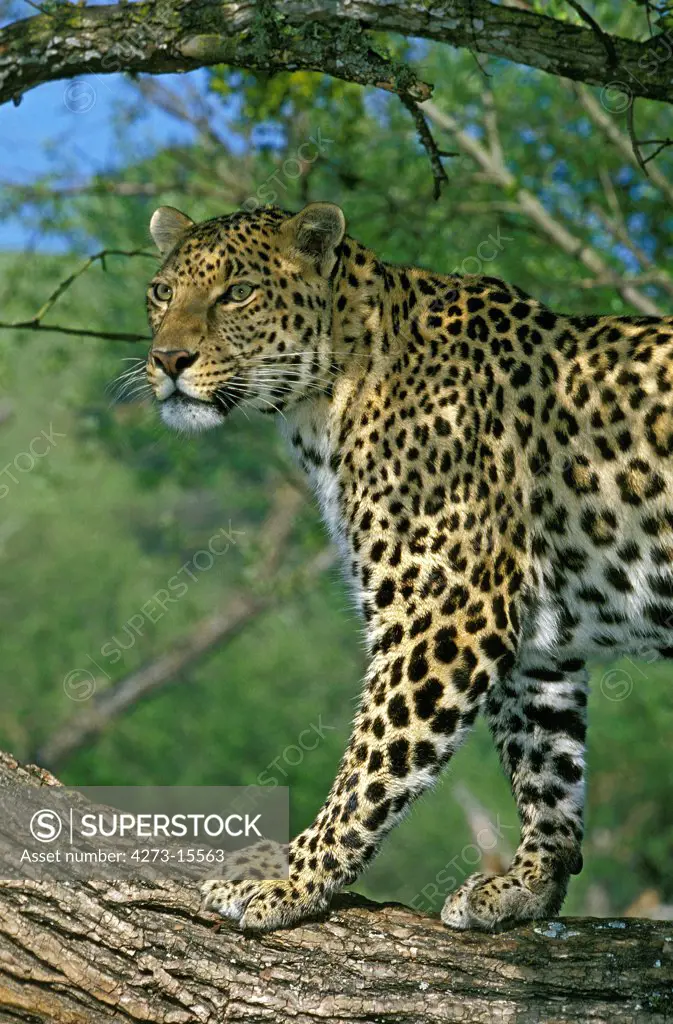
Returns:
<point x="174" y="361"/>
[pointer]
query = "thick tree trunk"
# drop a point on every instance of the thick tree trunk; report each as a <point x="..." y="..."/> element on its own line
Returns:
<point x="100" y="951"/>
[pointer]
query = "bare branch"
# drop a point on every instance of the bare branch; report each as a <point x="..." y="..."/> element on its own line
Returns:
<point x="76" y="332"/>
<point x="98" y="257"/>
<point x="36" y="323"/>
<point x="32" y="192"/>
<point x="661" y="145"/>
<point x="631" y="128"/>
<point x="614" y="280"/>
<point x="492" y="128"/>
<point x="616" y="226"/>
<point x="496" y="854"/>
<point x="427" y="141"/>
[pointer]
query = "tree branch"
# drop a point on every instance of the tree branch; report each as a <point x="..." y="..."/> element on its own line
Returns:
<point x="426" y="139"/>
<point x="121" y="952"/>
<point x="167" y="37"/>
<point x="317" y="35"/>
<point x="36" y="322"/>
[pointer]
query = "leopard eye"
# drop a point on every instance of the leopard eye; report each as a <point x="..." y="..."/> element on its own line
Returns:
<point x="238" y="292"/>
<point x="162" y="292"/>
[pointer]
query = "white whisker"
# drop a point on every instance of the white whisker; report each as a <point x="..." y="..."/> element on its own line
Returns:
<point x="129" y="392"/>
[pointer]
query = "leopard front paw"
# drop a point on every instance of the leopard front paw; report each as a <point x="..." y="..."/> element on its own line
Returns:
<point x="263" y="905"/>
<point x="490" y="903"/>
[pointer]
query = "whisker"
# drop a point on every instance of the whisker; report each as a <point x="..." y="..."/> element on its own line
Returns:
<point x="133" y="387"/>
<point x="278" y="383"/>
<point x="301" y="352"/>
<point x="136" y="371"/>
<point x="128" y="399"/>
<point x="275" y="357"/>
<point x="129" y="377"/>
<point x="241" y="406"/>
<point x="298" y="370"/>
<point x="270" y="374"/>
<point x="124" y="378"/>
<point x="278" y="386"/>
<point x="121" y="386"/>
<point x="274" y="407"/>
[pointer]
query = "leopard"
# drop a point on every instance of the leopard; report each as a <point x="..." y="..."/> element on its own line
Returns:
<point x="497" y="478"/>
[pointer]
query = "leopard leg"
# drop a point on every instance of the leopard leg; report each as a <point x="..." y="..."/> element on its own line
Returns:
<point x="538" y="719"/>
<point x="418" y="703"/>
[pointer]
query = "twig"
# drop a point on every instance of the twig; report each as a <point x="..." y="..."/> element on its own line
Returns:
<point x="98" y="257"/>
<point x="492" y="130"/>
<point x="439" y="175"/>
<point x="661" y="145"/>
<point x="630" y="124"/>
<point x="115" y="188"/>
<point x="78" y="332"/>
<point x="496" y="852"/>
<point x="494" y="206"/>
<point x="175" y="105"/>
<point x="35" y="323"/>
<point x="608" y="126"/>
<point x="607" y="42"/>
<point x="37" y="7"/>
<point x="610" y="193"/>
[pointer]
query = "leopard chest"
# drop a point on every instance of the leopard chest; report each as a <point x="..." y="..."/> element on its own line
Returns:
<point x="314" y="448"/>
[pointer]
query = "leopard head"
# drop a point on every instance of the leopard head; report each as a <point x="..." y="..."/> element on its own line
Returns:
<point x="240" y="311"/>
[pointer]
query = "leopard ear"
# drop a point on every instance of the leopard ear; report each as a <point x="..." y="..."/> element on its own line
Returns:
<point x="316" y="232"/>
<point x="167" y="227"/>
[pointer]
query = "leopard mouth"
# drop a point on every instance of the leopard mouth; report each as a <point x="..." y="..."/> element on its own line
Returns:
<point x="222" y="400"/>
<point x="225" y="400"/>
<point x="192" y="415"/>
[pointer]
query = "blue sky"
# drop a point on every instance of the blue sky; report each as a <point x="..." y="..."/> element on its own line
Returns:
<point x="65" y="125"/>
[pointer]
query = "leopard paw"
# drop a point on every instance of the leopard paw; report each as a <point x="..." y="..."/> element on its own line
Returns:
<point x="489" y="903"/>
<point x="262" y="905"/>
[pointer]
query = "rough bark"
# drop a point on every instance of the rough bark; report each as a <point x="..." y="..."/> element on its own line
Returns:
<point x="321" y="35"/>
<point x="96" y="952"/>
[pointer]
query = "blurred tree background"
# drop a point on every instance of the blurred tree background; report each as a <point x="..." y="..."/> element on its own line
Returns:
<point x="103" y="512"/>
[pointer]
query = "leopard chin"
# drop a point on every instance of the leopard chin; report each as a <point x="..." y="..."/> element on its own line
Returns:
<point x="189" y="415"/>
